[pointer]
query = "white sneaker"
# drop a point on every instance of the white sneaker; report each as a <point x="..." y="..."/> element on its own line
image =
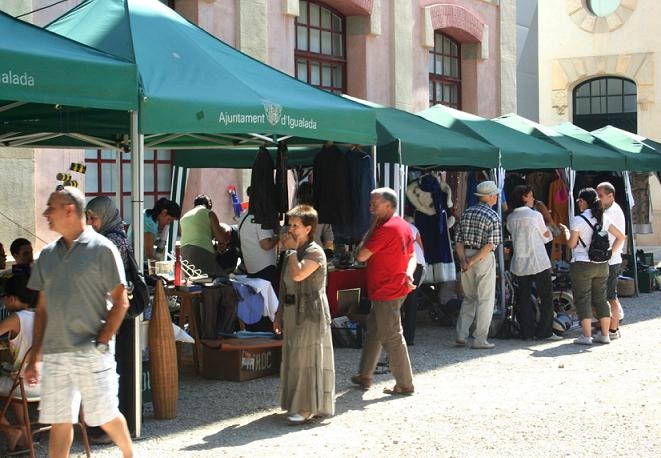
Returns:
<point x="583" y="340"/>
<point x="601" y="339"/>
<point x="614" y="334"/>
<point x="553" y="337"/>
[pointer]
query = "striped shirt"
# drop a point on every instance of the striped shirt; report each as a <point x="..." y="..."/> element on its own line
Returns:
<point x="479" y="225"/>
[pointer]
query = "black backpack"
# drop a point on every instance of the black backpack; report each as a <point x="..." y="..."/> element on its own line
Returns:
<point x="137" y="290"/>
<point x="600" y="248"/>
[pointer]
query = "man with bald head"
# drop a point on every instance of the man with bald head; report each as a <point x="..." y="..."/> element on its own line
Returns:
<point x="82" y="301"/>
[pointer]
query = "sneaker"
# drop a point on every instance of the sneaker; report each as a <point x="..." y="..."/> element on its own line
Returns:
<point x="553" y="338"/>
<point x="460" y="342"/>
<point x="614" y="334"/>
<point x="583" y="340"/>
<point x="601" y="339"/>
<point x="483" y="346"/>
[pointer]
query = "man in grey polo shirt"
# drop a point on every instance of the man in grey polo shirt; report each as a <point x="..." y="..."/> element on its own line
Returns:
<point x="82" y="301"/>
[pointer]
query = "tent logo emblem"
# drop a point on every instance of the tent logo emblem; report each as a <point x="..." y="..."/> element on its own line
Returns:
<point x="273" y="112"/>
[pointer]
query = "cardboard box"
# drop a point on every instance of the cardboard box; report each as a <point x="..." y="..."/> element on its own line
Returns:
<point x="240" y="359"/>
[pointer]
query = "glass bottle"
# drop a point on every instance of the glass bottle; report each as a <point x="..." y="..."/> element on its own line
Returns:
<point x="177" y="264"/>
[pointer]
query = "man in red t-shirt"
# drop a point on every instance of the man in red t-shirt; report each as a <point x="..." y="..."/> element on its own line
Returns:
<point x="388" y="250"/>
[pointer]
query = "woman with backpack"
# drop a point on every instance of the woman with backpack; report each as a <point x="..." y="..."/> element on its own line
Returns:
<point x="589" y="264"/>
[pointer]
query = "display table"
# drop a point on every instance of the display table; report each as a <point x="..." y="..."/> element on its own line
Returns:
<point x="339" y="279"/>
<point x="186" y="315"/>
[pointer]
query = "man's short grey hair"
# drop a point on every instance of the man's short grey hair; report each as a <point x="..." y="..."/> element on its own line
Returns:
<point x="607" y="187"/>
<point x="74" y="196"/>
<point x="388" y="194"/>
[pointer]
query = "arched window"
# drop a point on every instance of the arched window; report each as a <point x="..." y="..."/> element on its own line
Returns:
<point x="320" y="47"/>
<point x="606" y="100"/>
<point x="445" y="72"/>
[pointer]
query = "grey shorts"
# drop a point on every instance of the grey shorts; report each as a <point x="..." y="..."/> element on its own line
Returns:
<point x="614" y="271"/>
<point x="69" y="378"/>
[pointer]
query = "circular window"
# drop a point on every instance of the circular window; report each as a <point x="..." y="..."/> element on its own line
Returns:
<point x="603" y="8"/>
<point x="600" y="16"/>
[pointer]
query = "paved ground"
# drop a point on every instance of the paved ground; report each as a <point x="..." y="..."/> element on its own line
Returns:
<point x="519" y="400"/>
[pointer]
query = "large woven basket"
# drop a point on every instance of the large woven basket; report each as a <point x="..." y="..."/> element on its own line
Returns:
<point x="626" y="287"/>
<point x="162" y="358"/>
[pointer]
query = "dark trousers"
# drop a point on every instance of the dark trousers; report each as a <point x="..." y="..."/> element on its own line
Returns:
<point x="409" y="308"/>
<point x="124" y="355"/>
<point x="524" y="307"/>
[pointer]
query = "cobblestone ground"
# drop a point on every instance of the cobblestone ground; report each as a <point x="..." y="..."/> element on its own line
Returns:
<point x="521" y="399"/>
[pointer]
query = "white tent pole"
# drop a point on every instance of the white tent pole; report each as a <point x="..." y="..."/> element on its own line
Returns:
<point x="118" y="178"/>
<point x="374" y="162"/>
<point x="137" y="208"/>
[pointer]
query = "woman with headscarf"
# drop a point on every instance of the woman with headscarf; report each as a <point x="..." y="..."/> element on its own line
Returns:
<point x="103" y="216"/>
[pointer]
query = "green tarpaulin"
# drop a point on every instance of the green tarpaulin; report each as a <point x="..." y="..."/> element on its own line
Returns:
<point x="585" y="155"/>
<point x="197" y="91"/>
<point x="55" y="90"/>
<point x="422" y="142"/>
<point x="518" y="151"/>
<point x="640" y="156"/>
<point x="42" y="67"/>
<point x="627" y="147"/>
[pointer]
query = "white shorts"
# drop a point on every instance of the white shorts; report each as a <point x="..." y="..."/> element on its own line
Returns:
<point x="68" y="378"/>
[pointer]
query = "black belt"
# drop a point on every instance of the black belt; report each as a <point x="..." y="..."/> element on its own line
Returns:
<point x="469" y="247"/>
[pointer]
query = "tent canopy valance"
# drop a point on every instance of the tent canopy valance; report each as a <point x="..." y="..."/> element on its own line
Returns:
<point x="197" y="92"/>
<point x="51" y="85"/>
<point x="641" y="157"/>
<point x="402" y="137"/>
<point x="406" y="138"/>
<point x="585" y="154"/>
<point x="517" y="150"/>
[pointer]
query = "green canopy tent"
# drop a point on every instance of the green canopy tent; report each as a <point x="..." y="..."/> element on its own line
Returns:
<point x="517" y="150"/>
<point x="640" y="156"/>
<point x="585" y="155"/>
<point x="198" y="92"/>
<point x="402" y="137"/>
<point x="52" y="87"/>
<point x="192" y="90"/>
<point x="409" y="139"/>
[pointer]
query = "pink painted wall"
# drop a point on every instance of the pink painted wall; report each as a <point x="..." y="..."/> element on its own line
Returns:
<point x="49" y="163"/>
<point x="480" y="78"/>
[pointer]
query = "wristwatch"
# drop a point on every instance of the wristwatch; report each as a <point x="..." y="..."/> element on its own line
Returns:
<point x="102" y="347"/>
<point x="289" y="251"/>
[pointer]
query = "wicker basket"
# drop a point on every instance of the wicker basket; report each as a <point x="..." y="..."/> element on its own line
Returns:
<point x="626" y="287"/>
<point x="162" y="358"/>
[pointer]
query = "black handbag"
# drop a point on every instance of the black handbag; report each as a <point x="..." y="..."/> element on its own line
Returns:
<point x="137" y="290"/>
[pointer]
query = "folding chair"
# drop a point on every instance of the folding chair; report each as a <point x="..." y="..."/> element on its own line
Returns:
<point x="17" y="394"/>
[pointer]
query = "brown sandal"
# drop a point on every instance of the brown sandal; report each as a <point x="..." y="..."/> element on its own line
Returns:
<point x="364" y="383"/>
<point x="397" y="390"/>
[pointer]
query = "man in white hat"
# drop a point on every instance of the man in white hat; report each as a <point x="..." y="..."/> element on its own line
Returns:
<point x="479" y="233"/>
